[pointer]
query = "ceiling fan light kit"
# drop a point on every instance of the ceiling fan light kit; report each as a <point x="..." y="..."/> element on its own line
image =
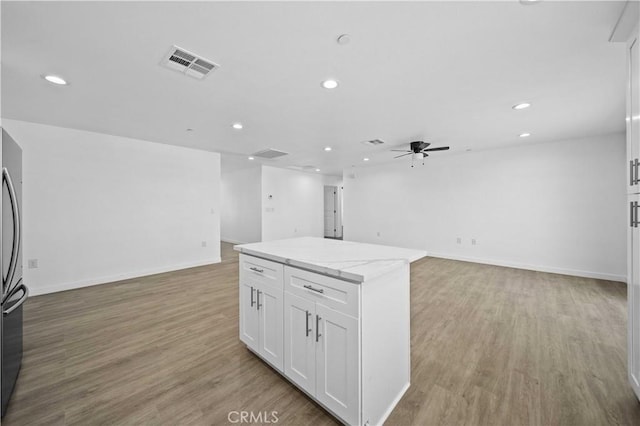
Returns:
<point x="418" y="150"/>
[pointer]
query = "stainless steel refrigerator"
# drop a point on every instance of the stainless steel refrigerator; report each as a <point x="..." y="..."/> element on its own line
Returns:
<point x="14" y="291"/>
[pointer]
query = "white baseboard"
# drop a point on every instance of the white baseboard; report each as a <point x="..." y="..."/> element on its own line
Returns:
<point x="231" y="241"/>
<point x="539" y="268"/>
<point x="35" y="291"/>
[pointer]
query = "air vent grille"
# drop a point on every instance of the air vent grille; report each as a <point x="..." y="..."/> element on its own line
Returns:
<point x="188" y="63"/>
<point x="373" y="143"/>
<point x="270" y="153"/>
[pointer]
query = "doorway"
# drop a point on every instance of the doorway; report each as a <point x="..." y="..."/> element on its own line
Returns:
<point x="333" y="212"/>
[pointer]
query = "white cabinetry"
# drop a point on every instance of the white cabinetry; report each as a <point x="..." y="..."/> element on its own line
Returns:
<point x="261" y="314"/>
<point x="338" y="363"/>
<point x="633" y="295"/>
<point x="322" y="345"/>
<point x="633" y="189"/>
<point x="299" y="342"/>
<point x="345" y="344"/>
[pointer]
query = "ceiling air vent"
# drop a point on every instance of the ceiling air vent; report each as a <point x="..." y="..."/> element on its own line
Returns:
<point x="188" y="63"/>
<point x="374" y="142"/>
<point x="270" y="153"/>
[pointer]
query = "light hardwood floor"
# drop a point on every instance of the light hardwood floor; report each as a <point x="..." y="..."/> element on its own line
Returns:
<point x="490" y="345"/>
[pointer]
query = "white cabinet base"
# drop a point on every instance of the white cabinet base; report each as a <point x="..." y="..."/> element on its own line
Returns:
<point x="344" y="344"/>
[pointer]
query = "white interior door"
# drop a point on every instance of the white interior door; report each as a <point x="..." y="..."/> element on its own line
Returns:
<point x="271" y="325"/>
<point x="299" y="342"/>
<point x="330" y="211"/>
<point x="249" y="316"/>
<point x="337" y="372"/>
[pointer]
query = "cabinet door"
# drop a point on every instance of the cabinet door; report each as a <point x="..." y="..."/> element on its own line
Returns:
<point x="269" y="304"/>
<point x="633" y="296"/>
<point x="633" y="116"/>
<point x="249" y="316"/>
<point x="337" y="367"/>
<point x="299" y="342"/>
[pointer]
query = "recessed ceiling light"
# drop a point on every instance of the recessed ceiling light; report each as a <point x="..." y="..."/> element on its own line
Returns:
<point x="237" y="126"/>
<point x="55" y="80"/>
<point x="327" y="148"/>
<point x="330" y="84"/>
<point x="522" y="105"/>
<point x="251" y="158"/>
<point x="365" y="159"/>
<point x="317" y="170"/>
<point x="525" y="135"/>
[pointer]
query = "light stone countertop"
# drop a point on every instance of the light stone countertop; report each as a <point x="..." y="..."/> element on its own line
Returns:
<point x="341" y="259"/>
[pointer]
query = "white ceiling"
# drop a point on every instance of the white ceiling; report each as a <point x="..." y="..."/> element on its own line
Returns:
<point x="445" y="72"/>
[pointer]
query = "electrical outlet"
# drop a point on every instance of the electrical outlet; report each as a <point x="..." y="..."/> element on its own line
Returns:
<point x="473" y="241"/>
<point x="269" y="209"/>
<point x="378" y="233"/>
<point x="32" y="263"/>
<point x="204" y="244"/>
<point x="213" y="211"/>
<point x="295" y="230"/>
<point x="459" y="240"/>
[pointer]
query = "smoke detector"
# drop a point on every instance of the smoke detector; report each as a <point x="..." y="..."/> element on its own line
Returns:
<point x="188" y="63"/>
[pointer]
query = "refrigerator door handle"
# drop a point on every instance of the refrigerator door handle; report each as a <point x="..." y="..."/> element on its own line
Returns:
<point x="6" y="177"/>
<point x="10" y="292"/>
<point x="19" y="302"/>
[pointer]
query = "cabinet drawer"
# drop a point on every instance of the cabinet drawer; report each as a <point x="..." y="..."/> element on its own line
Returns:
<point x="336" y="294"/>
<point x="257" y="270"/>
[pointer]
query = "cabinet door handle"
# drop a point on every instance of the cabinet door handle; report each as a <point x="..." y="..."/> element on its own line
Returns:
<point x="318" y="290"/>
<point x="318" y="327"/>
<point x="308" y="330"/>
<point x="252" y="302"/>
<point x="631" y="214"/>
<point x="631" y="176"/>
<point x="254" y="269"/>
<point x="636" y="165"/>
<point x="258" y="293"/>
<point x="635" y="214"/>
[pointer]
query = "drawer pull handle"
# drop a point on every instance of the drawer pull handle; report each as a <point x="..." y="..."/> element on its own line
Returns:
<point x="254" y="269"/>
<point x="318" y="290"/>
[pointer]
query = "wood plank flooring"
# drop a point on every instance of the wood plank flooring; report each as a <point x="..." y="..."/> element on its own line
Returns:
<point x="490" y="346"/>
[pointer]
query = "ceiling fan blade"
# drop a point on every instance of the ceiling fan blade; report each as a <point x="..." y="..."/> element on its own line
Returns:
<point x="442" y="148"/>
<point x="423" y="145"/>
<point x="408" y="153"/>
<point x="400" y="150"/>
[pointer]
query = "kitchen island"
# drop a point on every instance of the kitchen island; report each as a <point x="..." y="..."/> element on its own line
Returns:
<point x="332" y="317"/>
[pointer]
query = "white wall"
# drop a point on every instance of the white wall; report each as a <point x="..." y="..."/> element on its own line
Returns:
<point x="297" y="205"/>
<point x="241" y="220"/>
<point x="557" y="207"/>
<point x="99" y="208"/>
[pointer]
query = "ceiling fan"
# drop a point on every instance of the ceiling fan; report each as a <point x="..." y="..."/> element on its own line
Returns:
<point x="419" y="150"/>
